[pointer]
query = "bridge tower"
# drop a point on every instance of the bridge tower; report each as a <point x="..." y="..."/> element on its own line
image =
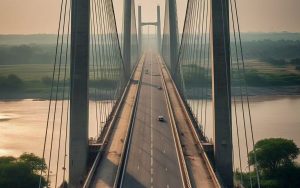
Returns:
<point x="158" y="29"/>
<point x="79" y="104"/>
<point x="127" y="37"/>
<point x="157" y="24"/>
<point x="173" y="25"/>
<point x="221" y="91"/>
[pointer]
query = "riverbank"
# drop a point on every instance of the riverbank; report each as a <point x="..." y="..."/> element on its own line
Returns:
<point x="264" y="93"/>
<point x="45" y="95"/>
<point x="253" y="92"/>
<point x="22" y="122"/>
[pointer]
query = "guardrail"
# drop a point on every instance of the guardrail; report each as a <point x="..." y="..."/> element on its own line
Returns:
<point x="124" y="156"/>
<point x="107" y="134"/>
<point x="181" y="160"/>
<point x="194" y="133"/>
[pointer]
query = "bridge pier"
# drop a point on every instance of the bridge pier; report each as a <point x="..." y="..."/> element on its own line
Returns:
<point x="79" y="100"/>
<point x="221" y="91"/>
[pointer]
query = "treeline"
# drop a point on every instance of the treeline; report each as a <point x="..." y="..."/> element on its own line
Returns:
<point x="283" y="62"/>
<point x="26" y="54"/>
<point x="256" y="49"/>
<point x="266" y="49"/>
<point x="10" y="83"/>
<point x="38" y="54"/>
<point x="194" y="77"/>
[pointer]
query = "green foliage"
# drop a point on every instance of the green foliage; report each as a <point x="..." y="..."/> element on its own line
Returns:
<point x="254" y="78"/>
<point x="6" y="159"/>
<point x="26" y="54"/>
<point x="195" y="76"/>
<point x="21" y="172"/>
<point x="11" y="83"/>
<point x="275" y="159"/>
<point x="36" y="163"/>
<point x="287" y="177"/>
<point x="273" y="153"/>
<point x="265" y="49"/>
<point x="295" y="61"/>
<point x="47" y="80"/>
<point x="282" y="62"/>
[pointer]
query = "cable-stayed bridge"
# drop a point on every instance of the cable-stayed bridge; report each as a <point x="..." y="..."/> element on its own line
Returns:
<point x="150" y="106"/>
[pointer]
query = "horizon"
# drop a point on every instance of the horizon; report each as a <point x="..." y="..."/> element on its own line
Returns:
<point x="250" y="32"/>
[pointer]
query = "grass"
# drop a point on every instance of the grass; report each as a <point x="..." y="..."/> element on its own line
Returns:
<point x="31" y="72"/>
<point x="28" y="72"/>
<point x="37" y="78"/>
<point x="258" y="74"/>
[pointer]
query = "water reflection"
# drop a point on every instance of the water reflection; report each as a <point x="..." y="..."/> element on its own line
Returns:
<point x="22" y="129"/>
<point x="272" y="117"/>
<point x="22" y="124"/>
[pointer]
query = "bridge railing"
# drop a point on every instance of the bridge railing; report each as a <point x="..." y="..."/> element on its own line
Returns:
<point x="208" y="63"/>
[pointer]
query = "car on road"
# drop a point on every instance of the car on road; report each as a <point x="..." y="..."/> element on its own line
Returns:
<point x="161" y="118"/>
<point x="159" y="88"/>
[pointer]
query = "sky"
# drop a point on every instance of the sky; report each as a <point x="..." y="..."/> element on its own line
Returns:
<point x="41" y="16"/>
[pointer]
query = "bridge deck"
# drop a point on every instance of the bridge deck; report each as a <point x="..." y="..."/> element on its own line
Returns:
<point x="153" y="159"/>
<point x="200" y="173"/>
<point x="108" y="167"/>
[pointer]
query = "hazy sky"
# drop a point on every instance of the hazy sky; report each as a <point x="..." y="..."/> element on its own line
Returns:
<point x="41" y="16"/>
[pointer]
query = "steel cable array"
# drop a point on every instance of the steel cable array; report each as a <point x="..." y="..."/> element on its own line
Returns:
<point x="106" y="84"/>
<point x="194" y="78"/>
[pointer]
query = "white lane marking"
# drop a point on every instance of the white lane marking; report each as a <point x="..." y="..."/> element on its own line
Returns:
<point x="138" y="167"/>
<point x="151" y="128"/>
<point x="167" y="185"/>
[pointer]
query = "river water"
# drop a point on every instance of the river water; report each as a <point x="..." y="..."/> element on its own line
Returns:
<point x="22" y="123"/>
<point x="272" y="117"/>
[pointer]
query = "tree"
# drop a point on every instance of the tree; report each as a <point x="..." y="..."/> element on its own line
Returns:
<point x="36" y="163"/>
<point x="11" y="83"/>
<point x="275" y="159"/>
<point x="273" y="153"/>
<point x="21" y="172"/>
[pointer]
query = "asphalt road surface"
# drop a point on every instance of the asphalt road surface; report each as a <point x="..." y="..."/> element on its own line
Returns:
<point x="152" y="159"/>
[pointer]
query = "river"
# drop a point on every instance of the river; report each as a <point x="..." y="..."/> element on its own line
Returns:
<point x="22" y="123"/>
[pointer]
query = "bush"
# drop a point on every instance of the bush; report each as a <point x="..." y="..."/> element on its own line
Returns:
<point x="47" y="80"/>
<point x="22" y="172"/>
<point x="11" y="83"/>
<point x="273" y="153"/>
<point x="275" y="160"/>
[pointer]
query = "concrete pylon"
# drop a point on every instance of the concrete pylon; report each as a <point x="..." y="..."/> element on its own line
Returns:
<point x="221" y="91"/>
<point x="127" y="37"/>
<point x="140" y="28"/>
<point x="79" y="103"/>
<point x="158" y="30"/>
<point x="173" y="35"/>
<point x="157" y="24"/>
